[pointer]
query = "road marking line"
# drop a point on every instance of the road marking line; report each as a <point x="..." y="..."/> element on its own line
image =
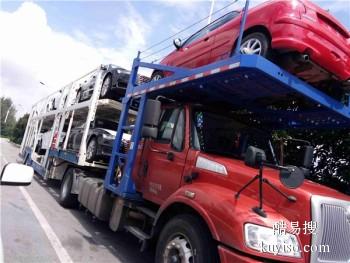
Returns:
<point x="54" y="240"/>
<point x="1" y="245"/>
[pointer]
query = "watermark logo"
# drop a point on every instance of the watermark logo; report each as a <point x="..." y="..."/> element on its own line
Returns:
<point x="307" y="228"/>
<point x="279" y="246"/>
<point x="278" y="249"/>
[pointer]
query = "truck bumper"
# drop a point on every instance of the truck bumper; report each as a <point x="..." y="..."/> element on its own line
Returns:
<point x="229" y="256"/>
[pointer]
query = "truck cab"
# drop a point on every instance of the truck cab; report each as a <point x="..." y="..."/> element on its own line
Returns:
<point x="197" y="163"/>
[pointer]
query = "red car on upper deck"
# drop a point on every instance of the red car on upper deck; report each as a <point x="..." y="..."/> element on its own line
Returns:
<point x="298" y="35"/>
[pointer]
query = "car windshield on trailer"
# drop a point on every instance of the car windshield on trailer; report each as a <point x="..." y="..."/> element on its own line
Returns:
<point x="106" y="124"/>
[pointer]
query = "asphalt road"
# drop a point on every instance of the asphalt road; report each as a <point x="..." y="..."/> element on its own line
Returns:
<point x="35" y="228"/>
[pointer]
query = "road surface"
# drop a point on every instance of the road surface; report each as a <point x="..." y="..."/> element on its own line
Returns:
<point x="35" y="228"/>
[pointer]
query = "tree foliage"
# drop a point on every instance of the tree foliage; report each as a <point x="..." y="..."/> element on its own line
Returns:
<point x="331" y="157"/>
<point x="19" y="129"/>
<point x="7" y="116"/>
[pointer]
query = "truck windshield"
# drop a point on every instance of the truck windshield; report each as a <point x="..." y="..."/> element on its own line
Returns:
<point x="218" y="134"/>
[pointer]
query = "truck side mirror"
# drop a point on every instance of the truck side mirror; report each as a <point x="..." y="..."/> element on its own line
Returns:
<point x="254" y="156"/>
<point x="16" y="174"/>
<point x="151" y="119"/>
<point x="308" y="156"/>
<point x="292" y="177"/>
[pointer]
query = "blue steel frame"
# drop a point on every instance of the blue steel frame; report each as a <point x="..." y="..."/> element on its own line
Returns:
<point x="64" y="155"/>
<point x="28" y="161"/>
<point x="247" y="63"/>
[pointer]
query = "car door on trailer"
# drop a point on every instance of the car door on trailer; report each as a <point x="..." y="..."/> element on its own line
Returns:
<point x="195" y="51"/>
<point x="225" y="29"/>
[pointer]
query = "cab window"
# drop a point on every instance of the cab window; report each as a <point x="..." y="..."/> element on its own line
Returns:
<point x="167" y="125"/>
<point x="178" y="137"/>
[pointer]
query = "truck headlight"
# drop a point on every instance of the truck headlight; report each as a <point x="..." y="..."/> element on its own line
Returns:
<point x="107" y="136"/>
<point x="265" y="240"/>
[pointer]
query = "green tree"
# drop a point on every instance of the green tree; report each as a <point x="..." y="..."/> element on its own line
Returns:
<point x="19" y="129"/>
<point x="331" y="157"/>
<point x="7" y="114"/>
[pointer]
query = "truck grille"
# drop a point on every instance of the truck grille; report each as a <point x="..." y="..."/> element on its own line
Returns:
<point x="333" y="229"/>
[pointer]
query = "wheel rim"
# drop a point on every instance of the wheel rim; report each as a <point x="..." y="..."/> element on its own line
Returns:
<point x="156" y="77"/>
<point x="90" y="149"/>
<point x="179" y="250"/>
<point x="251" y="46"/>
<point x="105" y="86"/>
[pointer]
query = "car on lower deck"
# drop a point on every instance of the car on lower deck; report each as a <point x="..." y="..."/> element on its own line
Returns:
<point x="298" y="35"/>
<point x="114" y="82"/>
<point x="100" y="139"/>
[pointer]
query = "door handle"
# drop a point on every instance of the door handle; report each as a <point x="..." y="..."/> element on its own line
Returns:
<point x="169" y="155"/>
<point x="206" y="39"/>
<point x="191" y="177"/>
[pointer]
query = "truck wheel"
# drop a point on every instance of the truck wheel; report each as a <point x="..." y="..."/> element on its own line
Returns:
<point x="185" y="239"/>
<point x="67" y="199"/>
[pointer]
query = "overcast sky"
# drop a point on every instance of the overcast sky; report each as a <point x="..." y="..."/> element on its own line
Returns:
<point x="54" y="42"/>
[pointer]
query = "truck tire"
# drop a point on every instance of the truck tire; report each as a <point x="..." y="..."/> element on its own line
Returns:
<point x="186" y="239"/>
<point x="66" y="198"/>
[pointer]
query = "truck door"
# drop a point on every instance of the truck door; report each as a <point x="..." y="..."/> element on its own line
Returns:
<point x="166" y="157"/>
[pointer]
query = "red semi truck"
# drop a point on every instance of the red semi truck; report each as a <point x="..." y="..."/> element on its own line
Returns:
<point x="201" y="178"/>
<point x="190" y="175"/>
<point x="208" y="182"/>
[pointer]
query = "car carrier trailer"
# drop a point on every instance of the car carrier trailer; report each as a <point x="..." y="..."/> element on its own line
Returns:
<point x="173" y="184"/>
<point x="51" y="120"/>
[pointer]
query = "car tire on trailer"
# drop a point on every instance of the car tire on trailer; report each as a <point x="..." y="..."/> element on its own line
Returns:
<point x="91" y="150"/>
<point x="256" y="43"/>
<point x="66" y="198"/>
<point x="157" y="75"/>
<point x="186" y="239"/>
<point x="106" y="86"/>
<point x="78" y="97"/>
